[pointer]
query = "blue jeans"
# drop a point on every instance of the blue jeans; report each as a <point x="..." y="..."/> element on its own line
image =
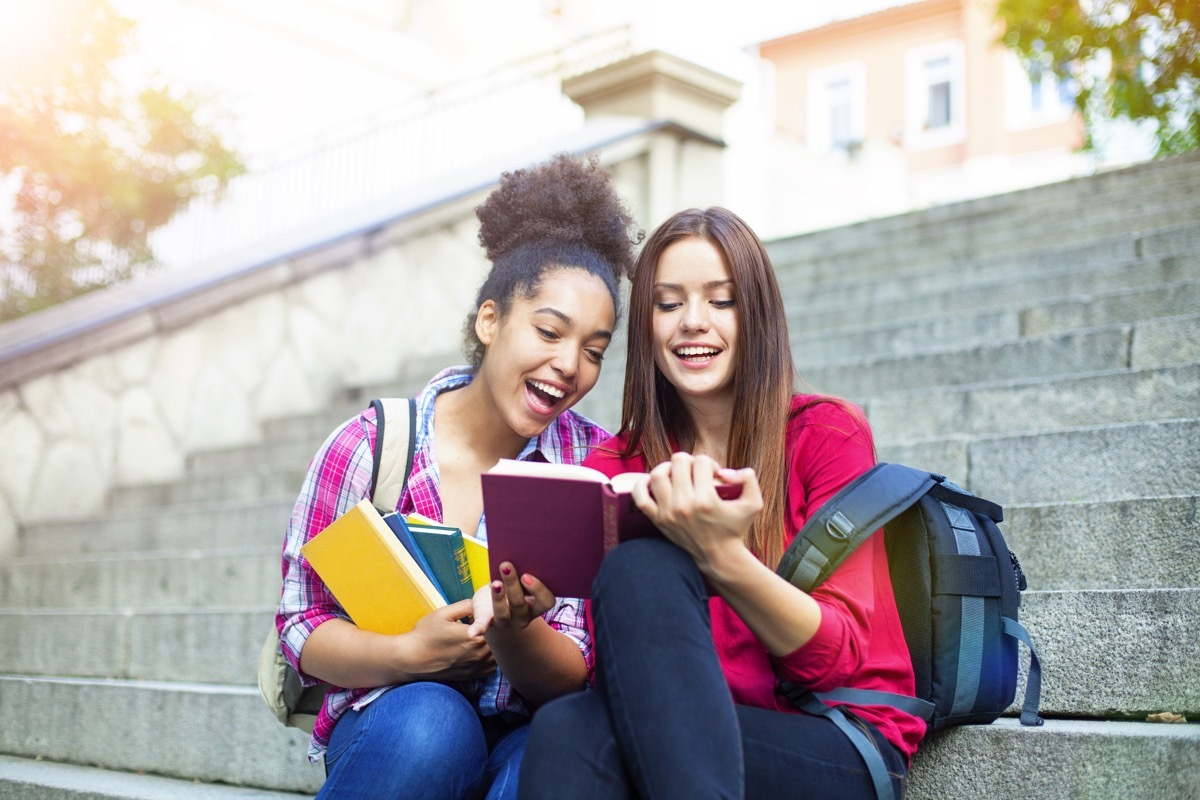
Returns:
<point x="422" y="740"/>
<point x="661" y="722"/>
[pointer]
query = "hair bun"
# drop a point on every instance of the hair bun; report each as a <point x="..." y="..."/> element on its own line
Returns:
<point x="569" y="199"/>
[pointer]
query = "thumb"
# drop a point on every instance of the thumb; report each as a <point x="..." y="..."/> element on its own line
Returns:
<point x="459" y="610"/>
<point x="746" y="483"/>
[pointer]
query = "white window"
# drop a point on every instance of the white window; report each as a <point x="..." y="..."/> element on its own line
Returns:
<point x="935" y="98"/>
<point x="837" y="108"/>
<point x="1032" y="100"/>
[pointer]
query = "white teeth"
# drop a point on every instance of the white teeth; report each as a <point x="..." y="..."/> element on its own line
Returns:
<point x="548" y="389"/>
<point x="697" y="351"/>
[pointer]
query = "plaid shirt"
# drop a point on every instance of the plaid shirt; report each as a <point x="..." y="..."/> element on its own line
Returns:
<point x="339" y="477"/>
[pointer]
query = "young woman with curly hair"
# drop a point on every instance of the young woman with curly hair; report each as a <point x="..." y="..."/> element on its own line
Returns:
<point x="695" y="631"/>
<point x="442" y="711"/>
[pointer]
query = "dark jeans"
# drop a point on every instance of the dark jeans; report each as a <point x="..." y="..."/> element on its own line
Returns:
<point x="661" y="722"/>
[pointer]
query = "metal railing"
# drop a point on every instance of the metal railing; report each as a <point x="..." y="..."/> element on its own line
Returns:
<point x="429" y="134"/>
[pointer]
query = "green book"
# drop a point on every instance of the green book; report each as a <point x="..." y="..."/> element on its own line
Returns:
<point x="446" y="554"/>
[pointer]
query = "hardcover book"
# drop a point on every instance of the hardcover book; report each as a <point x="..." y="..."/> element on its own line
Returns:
<point x="557" y="521"/>
<point x="371" y="574"/>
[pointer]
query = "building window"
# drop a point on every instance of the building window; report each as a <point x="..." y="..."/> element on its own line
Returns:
<point x="1036" y="98"/>
<point x="934" y="96"/>
<point x="837" y="108"/>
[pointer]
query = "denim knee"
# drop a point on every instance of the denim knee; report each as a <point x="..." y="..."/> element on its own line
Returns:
<point x="640" y="564"/>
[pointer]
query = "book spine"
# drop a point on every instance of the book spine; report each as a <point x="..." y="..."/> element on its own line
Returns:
<point x="610" y="518"/>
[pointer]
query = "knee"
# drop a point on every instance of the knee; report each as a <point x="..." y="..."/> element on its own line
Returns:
<point x="644" y="564"/>
<point x="561" y="724"/>
<point x="426" y="723"/>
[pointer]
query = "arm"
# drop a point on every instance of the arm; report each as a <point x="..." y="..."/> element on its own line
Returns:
<point x="541" y="661"/>
<point x="309" y="616"/>
<point x="681" y="498"/>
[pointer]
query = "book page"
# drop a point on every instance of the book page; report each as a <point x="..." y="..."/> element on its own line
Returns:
<point x="543" y="469"/>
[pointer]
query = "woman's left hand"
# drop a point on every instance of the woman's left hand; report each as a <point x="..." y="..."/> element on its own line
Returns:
<point x="510" y="603"/>
<point x="681" y="499"/>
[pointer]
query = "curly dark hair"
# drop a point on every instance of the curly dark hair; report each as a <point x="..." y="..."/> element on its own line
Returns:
<point x="561" y="213"/>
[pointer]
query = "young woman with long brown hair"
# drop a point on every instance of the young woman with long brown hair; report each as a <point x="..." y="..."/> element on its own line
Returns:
<point x="695" y="631"/>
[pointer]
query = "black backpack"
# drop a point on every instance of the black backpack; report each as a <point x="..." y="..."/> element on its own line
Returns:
<point x="957" y="588"/>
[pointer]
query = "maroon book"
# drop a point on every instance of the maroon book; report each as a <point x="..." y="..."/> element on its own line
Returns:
<point x="557" y="521"/>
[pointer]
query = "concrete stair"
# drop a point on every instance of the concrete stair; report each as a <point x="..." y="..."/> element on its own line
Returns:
<point x="1041" y="348"/>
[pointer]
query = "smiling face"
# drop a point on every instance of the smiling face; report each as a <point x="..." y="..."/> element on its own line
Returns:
<point x="544" y="355"/>
<point x="695" y="321"/>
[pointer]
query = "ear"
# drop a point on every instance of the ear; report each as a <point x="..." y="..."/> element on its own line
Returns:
<point x="487" y="321"/>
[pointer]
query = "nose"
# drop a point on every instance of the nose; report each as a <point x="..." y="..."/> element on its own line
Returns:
<point x="695" y="317"/>
<point x="566" y="361"/>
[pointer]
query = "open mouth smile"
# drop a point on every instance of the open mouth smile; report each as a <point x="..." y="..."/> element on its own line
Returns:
<point x="544" y="396"/>
<point x="696" y="354"/>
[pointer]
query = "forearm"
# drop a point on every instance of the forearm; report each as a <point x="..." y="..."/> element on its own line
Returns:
<point x="782" y="616"/>
<point x="340" y="653"/>
<point x="540" y="662"/>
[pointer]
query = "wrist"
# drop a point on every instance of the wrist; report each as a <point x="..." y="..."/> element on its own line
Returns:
<point x="727" y="562"/>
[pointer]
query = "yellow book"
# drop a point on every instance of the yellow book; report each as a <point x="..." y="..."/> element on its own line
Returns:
<point x="370" y="573"/>
<point x="477" y="561"/>
<point x="477" y="552"/>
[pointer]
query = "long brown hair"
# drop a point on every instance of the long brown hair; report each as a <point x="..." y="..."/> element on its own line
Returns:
<point x="653" y="414"/>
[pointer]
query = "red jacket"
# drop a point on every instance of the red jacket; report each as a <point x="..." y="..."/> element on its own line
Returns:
<point x="860" y="643"/>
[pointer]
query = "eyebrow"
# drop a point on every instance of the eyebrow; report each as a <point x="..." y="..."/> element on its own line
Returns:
<point x="709" y="285"/>
<point x="554" y="312"/>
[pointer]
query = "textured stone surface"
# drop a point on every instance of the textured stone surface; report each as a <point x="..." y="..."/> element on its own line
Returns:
<point x="1062" y="759"/>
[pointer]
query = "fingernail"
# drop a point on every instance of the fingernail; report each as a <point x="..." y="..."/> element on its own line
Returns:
<point x="527" y="580"/>
<point x="506" y="569"/>
<point x="497" y="587"/>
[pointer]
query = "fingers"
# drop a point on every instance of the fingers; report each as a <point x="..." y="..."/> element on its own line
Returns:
<point x="538" y="596"/>
<point x="460" y="610"/>
<point x="751" y="495"/>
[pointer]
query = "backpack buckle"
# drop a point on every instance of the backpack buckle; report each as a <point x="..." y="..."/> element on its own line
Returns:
<point x="839" y="527"/>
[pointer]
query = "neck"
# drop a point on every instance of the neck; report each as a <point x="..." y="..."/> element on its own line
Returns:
<point x="472" y="416"/>
<point x="713" y="420"/>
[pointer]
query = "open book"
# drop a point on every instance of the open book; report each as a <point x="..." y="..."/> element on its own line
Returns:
<point x="557" y="521"/>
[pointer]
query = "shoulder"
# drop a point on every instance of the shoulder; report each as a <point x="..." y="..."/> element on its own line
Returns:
<point x="826" y="416"/>
<point x="571" y="436"/>
<point x="605" y="457"/>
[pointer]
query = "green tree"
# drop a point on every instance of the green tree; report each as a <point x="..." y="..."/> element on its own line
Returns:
<point x="1151" y="49"/>
<point x="96" y="152"/>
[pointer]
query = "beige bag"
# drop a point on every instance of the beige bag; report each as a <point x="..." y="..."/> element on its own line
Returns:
<point x="279" y="684"/>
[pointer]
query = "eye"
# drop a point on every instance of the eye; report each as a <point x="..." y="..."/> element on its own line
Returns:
<point x="547" y="334"/>
<point x="594" y="354"/>
<point x="723" y="303"/>
<point x="667" y="305"/>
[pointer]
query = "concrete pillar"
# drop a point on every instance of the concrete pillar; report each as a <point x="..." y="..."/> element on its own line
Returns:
<point x="685" y="167"/>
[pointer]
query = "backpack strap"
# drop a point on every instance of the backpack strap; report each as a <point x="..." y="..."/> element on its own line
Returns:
<point x="863" y="743"/>
<point x="393" y="456"/>
<point x="846" y="520"/>
<point x="1033" y="683"/>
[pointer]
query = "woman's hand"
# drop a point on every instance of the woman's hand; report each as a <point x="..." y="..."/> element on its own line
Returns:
<point x="510" y="604"/>
<point x="446" y="649"/>
<point x="681" y="499"/>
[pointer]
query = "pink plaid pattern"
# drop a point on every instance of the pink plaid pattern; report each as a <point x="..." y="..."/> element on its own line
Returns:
<point x="339" y="477"/>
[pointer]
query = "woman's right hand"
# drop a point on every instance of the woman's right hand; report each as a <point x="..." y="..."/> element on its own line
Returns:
<point x="445" y="650"/>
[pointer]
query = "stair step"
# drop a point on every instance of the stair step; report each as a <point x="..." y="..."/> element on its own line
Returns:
<point x="210" y="525"/>
<point x="162" y="579"/>
<point x="1063" y="758"/>
<point x="208" y="732"/>
<point x="31" y="779"/>
<point x="1147" y="543"/>
<point x="282" y="482"/>
<point x="971" y="229"/>
<point x="196" y="644"/>
<point x="1039" y="404"/>
<point x="1099" y="649"/>
<point x="974" y="326"/>
<point x="1164" y="255"/>
<point x="1090" y="350"/>
<point x="1083" y="465"/>
<point x="1118" y="653"/>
